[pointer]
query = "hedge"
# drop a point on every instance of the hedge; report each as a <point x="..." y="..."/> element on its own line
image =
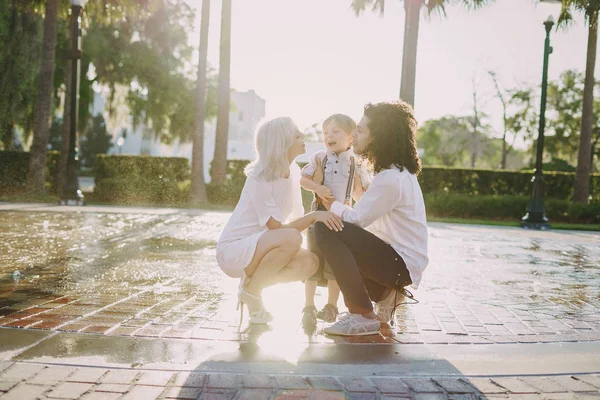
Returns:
<point x="141" y="179"/>
<point x="507" y="208"/>
<point x="472" y="182"/>
<point x="14" y="166"/>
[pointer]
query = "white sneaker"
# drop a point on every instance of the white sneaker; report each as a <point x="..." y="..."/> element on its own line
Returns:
<point x="353" y="325"/>
<point x="386" y="308"/>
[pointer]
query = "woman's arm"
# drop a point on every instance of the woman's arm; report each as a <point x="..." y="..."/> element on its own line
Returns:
<point x="331" y="220"/>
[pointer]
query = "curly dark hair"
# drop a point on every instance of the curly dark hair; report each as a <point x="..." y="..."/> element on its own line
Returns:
<point x="393" y="128"/>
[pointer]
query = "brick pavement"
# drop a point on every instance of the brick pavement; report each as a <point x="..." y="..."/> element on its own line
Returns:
<point x="31" y="381"/>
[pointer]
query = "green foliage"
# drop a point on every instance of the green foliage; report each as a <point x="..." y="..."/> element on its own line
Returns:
<point x="96" y="141"/>
<point x="13" y="171"/>
<point x="21" y="34"/>
<point x="507" y="207"/>
<point x="472" y="182"/>
<point x="141" y="179"/>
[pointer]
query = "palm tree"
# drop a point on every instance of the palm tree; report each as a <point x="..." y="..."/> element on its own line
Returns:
<point x="219" y="163"/>
<point x="590" y="8"/>
<point x="37" y="161"/>
<point x="411" y="33"/>
<point x="198" y="189"/>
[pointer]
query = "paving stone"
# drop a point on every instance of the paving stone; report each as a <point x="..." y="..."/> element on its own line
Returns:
<point x="101" y="396"/>
<point x="328" y="395"/>
<point x="122" y="377"/>
<point x="257" y="381"/>
<point x="219" y="395"/>
<point x="254" y="394"/>
<point x="593" y="380"/>
<point x="544" y="385"/>
<point x="224" y="381"/>
<point x="291" y="382"/>
<point x="52" y="375"/>
<point x="155" y="378"/>
<point x="18" y="372"/>
<point x="463" y="396"/>
<point x="24" y="391"/>
<point x="515" y="385"/>
<point x="357" y="384"/>
<point x="112" y="387"/>
<point x="291" y="394"/>
<point x="184" y="393"/>
<point x="429" y="396"/>
<point x="572" y="384"/>
<point x="5" y="386"/>
<point x="485" y="385"/>
<point x="422" y="385"/>
<point x="455" y="385"/>
<point x="390" y="385"/>
<point x="5" y="365"/>
<point x="189" y="379"/>
<point x="322" y="383"/>
<point x="69" y="390"/>
<point x="87" y="375"/>
<point x="144" y="392"/>
<point x="361" y="396"/>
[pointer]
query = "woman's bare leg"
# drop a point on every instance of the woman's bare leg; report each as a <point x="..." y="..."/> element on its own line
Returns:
<point x="275" y="249"/>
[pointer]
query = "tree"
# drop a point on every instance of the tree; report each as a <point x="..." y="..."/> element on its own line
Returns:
<point x="590" y="8"/>
<point x="219" y="163"/>
<point x="501" y="95"/>
<point x="412" y="10"/>
<point x="448" y="141"/>
<point x="37" y="161"/>
<point x="96" y="140"/>
<point x="20" y="47"/>
<point x="198" y="189"/>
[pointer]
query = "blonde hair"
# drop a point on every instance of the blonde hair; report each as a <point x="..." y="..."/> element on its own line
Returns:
<point x="272" y="140"/>
<point x="346" y="123"/>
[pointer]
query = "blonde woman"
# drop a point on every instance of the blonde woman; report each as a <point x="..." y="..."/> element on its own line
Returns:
<point x="261" y="242"/>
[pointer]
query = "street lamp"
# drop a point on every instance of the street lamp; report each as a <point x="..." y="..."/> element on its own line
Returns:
<point x="71" y="193"/>
<point x="536" y="213"/>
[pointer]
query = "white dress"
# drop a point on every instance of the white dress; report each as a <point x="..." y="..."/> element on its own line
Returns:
<point x="260" y="200"/>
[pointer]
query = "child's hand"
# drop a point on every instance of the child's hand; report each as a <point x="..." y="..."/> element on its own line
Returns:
<point x="324" y="192"/>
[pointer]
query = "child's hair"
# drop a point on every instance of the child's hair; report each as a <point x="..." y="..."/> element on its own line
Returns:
<point x="346" y="123"/>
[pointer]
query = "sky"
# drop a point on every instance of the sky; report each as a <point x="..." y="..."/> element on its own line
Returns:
<point x="312" y="58"/>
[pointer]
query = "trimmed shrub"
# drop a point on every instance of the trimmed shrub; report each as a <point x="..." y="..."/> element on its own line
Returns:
<point x="14" y="166"/>
<point x="141" y="179"/>
<point x="507" y="207"/>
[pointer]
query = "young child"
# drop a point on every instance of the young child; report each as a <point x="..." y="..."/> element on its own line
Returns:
<point x="337" y="174"/>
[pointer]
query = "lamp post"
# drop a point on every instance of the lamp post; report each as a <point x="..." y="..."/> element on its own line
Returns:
<point x="71" y="194"/>
<point x="536" y="213"/>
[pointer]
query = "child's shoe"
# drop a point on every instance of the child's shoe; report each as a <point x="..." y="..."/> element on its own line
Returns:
<point x="309" y="317"/>
<point x="329" y="313"/>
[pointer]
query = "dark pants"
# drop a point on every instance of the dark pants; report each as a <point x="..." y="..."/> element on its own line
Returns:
<point x="363" y="265"/>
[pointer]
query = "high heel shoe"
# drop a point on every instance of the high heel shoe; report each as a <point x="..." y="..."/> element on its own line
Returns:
<point x="261" y="316"/>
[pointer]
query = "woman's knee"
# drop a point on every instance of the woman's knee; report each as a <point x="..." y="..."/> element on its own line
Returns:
<point x="291" y="239"/>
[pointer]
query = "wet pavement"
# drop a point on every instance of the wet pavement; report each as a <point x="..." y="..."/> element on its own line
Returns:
<point x="118" y="287"/>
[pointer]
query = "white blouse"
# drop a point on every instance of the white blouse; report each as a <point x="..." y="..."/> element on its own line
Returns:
<point x="393" y="209"/>
<point x="261" y="200"/>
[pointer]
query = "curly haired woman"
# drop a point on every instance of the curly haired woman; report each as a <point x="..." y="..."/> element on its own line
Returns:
<point x="383" y="245"/>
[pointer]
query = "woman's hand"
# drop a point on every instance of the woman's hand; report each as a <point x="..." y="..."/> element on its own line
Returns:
<point x="330" y="220"/>
<point x="324" y="192"/>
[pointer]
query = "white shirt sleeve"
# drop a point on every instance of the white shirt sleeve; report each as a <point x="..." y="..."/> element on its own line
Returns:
<point x="263" y="200"/>
<point x="381" y="198"/>
<point x="310" y="168"/>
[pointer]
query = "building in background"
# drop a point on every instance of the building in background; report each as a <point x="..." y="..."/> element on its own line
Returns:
<point x="247" y="110"/>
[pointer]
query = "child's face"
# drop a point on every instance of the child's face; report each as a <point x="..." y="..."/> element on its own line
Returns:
<point x="336" y="139"/>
